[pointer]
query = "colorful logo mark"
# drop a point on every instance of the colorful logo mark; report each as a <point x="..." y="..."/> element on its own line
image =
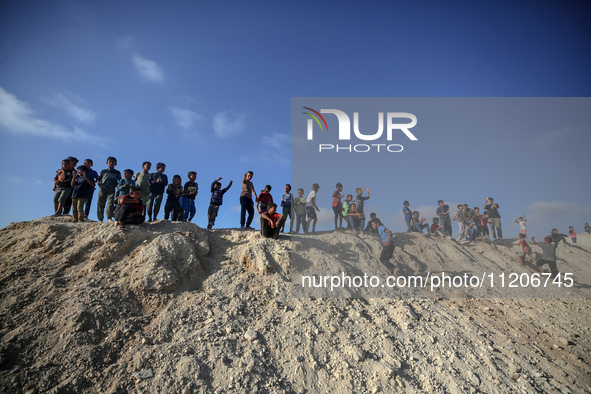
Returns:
<point x="315" y="118"/>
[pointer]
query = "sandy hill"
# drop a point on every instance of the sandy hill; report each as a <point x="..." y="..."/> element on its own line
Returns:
<point x="169" y="307"/>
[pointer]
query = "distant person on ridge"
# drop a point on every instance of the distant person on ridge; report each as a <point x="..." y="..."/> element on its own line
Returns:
<point x="246" y="202"/>
<point x="494" y="218"/>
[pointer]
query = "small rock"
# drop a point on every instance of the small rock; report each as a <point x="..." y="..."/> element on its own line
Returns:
<point x="77" y="382"/>
<point x="563" y="341"/>
<point x="300" y="359"/>
<point x="144" y="374"/>
<point x="229" y="330"/>
<point x="358" y="355"/>
<point x="251" y="335"/>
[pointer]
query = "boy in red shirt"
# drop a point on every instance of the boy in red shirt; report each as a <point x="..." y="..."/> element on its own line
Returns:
<point x="130" y="209"/>
<point x="271" y="222"/>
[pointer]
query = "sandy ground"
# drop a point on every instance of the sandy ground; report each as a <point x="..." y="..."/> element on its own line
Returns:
<point x="169" y="307"/>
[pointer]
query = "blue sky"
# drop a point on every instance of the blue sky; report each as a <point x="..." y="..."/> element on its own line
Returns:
<point x="207" y="86"/>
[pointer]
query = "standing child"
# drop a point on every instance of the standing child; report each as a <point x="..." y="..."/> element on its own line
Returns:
<point x="407" y="215"/>
<point x="286" y="203"/>
<point x="573" y="234"/>
<point x="337" y="206"/>
<point x="265" y="198"/>
<point x="82" y="188"/>
<point x="445" y="220"/>
<point x="521" y="221"/>
<point x="126" y="183"/>
<point x="300" y="211"/>
<point x="246" y="202"/>
<point x="484" y="223"/>
<point x="62" y="186"/>
<point x="92" y="174"/>
<point x="173" y="204"/>
<point x="68" y="202"/>
<point x="587" y="228"/>
<point x="188" y="199"/>
<point x="346" y="206"/>
<point x="461" y="224"/>
<point x="142" y="178"/>
<point x="360" y="200"/>
<point x="108" y="180"/>
<point x="311" y="209"/>
<point x="217" y="198"/>
<point x="157" y="184"/>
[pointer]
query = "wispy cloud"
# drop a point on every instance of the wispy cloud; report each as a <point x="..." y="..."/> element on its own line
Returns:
<point x="70" y="103"/>
<point x="148" y="70"/>
<point x="276" y="149"/>
<point x="546" y="214"/>
<point x="124" y="42"/>
<point x="554" y="136"/>
<point x="184" y="118"/>
<point x="18" y="118"/>
<point x="226" y="124"/>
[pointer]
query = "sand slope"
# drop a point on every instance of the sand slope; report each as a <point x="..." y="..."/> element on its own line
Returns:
<point x="173" y="308"/>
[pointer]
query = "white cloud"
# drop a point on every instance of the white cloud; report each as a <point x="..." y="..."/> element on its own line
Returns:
<point x="555" y="136"/>
<point x="18" y="118"/>
<point x="275" y="149"/>
<point x="226" y="124"/>
<point x="184" y="118"/>
<point x="124" y="42"/>
<point x="67" y="104"/>
<point x="147" y="69"/>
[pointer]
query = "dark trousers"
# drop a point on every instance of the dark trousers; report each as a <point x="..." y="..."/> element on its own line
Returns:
<point x="246" y="205"/>
<point x="212" y="213"/>
<point x="87" y="205"/>
<point x="301" y="220"/>
<point x="267" y="231"/>
<point x="173" y="209"/>
<point x="154" y="201"/>
<point x="122" y="215"/>
<point x="386" y="255"/>
<point x="552" y="264"/>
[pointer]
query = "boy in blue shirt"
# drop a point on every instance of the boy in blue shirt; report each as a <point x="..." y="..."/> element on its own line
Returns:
<point x="407" y="215"/>
<point x="188" y="199"/>
<point x="126" y="183"/>
<point x="387" y="243"/>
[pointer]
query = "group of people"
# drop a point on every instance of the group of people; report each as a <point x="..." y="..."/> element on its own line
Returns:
<point x="471" y="223"/>
<point x="129" y="198"/>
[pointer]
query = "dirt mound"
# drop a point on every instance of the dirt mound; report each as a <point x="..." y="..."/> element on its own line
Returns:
<point x="170" y="307"/>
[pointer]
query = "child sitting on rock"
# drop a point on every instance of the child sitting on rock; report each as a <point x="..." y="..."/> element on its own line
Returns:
<point x="130" y="209"/>
<point x="271" y="222"/>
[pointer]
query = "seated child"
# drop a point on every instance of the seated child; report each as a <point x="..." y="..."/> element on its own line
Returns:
<point x="173" y="203"/>
<point x="217" y="198"/>
<point x="435" y="226"/>
<point x="357" y="219"/>
<point x="300" y="210"/>
<point x="130" y="209"/>
<point x="417" y="224"/>
<point x="587" y="228"/>
<point x="83" y="187"/>
<point x="271" y="222"/>
<point x="264" y="199"/>
<point x="472" y="232"/>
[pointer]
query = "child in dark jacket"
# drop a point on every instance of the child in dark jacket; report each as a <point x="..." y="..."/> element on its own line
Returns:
<point x="173" y="203"/>
<point x="217" y="198"/>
